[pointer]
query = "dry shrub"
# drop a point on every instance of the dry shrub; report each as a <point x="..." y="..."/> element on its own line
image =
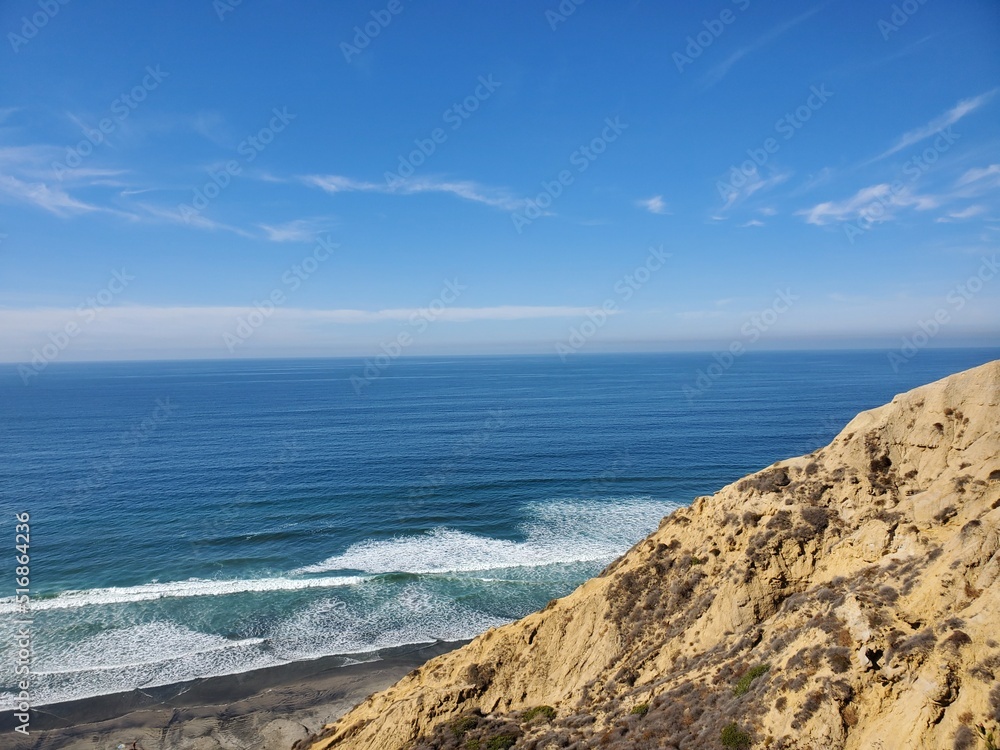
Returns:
<point x="769" y="480"/>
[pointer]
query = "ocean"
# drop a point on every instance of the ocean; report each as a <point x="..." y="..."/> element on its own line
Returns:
<point x="199" y="518"/>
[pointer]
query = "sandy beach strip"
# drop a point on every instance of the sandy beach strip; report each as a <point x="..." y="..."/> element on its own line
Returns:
<point x="258" y="710"/>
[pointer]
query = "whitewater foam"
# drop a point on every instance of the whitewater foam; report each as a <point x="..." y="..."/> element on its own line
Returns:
<point x="414" y="614"/>
<point x="193" y="587"/>
<point x="559" y="533"/>
<point x="462" y="584"/>
<point x="141" y="656"/>
<point x="134" y="647"/>
<point x="163" y="653"/>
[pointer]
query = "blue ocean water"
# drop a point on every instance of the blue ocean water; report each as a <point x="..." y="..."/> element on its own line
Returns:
<point x="191" y="519"/>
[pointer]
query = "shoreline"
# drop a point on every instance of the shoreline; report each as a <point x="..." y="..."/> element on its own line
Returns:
<point x="262" y="708"/>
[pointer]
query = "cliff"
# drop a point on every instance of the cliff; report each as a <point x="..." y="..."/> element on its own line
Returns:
<point x="848" y="598"/>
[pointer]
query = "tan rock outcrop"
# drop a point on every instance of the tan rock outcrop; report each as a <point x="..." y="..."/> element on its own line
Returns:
<point x="844" y="599"/>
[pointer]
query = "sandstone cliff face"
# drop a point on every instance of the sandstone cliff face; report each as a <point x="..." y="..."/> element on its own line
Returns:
<point x="845" y="599"/>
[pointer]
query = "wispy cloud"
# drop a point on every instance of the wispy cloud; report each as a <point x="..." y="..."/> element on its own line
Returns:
<point x="299" y="230"/>
<point x="979" y="174"/>
<point x="24" y="179"/>
<point x="719" y="72"/>
<point x="208" y="125"/>
<point x="465" y="189"/>
<point x="877" y="203"/>
<point x="95" y="176"/>
<point x="26" y="176"/>
<point x="470" y="191"/>
<point x="34" y="164"/>
<point x="654" y="205"/>
<point x="753" y="223"/>
<point x="53" y="199"/>
<point x="128" y="192"/>
<point x="814" y="181"/>
<point x="193" y="220"/>
<point x="942" y="121"/>
<point x="754" y="184"/>
<point x="882" y="202"/>
<point x="333" y="183"/>
<point x="31" y="158"/>
<point x="966" y="213"/>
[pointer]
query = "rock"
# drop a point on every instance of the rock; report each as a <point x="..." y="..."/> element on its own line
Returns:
<point x="282" y="733"/>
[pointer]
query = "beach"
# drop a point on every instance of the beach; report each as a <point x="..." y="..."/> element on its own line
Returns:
<point x="257" y="710"/>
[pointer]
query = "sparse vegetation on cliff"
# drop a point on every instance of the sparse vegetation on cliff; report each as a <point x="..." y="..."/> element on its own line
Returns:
<point x="743" y="686"/>
<point x="735" y="738"/>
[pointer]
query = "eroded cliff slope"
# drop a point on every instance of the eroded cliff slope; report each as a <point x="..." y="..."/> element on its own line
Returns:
<point x="844" y="599"/>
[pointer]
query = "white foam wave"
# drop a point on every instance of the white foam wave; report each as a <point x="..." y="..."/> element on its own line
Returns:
<point x="126" y="654"/>
<point x="162" y="653"/>
<point x="140" y="656"/>
<point x="414" y="614"/>
<point x="193" y="587"/>
<point x="562" y="532"/>
<point x="134" y="648"/>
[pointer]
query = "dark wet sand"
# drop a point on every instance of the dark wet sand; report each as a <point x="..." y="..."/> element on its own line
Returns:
<point x="267" y="709"/>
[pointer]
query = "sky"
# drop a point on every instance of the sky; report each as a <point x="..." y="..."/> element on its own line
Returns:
<point x="254" y="178"/>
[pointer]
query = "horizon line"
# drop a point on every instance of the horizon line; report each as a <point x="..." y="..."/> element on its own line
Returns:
<point x="515" y="354"/>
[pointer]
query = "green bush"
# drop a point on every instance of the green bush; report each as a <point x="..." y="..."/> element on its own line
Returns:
<point x="640" y="709"/>
<point x="743" y="685"/>
<point x="463" y="725"/>
<point x="733" y="737"/>
<point x="501" y="742"/>
<point x="547" y="712"/>
<point x="986" y="736"/>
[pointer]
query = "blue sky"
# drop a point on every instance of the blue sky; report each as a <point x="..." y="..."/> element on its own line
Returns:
<point x="495" y="177"/>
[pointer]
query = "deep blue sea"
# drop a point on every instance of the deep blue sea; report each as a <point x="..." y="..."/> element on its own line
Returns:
<point x="191" y="519"/>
